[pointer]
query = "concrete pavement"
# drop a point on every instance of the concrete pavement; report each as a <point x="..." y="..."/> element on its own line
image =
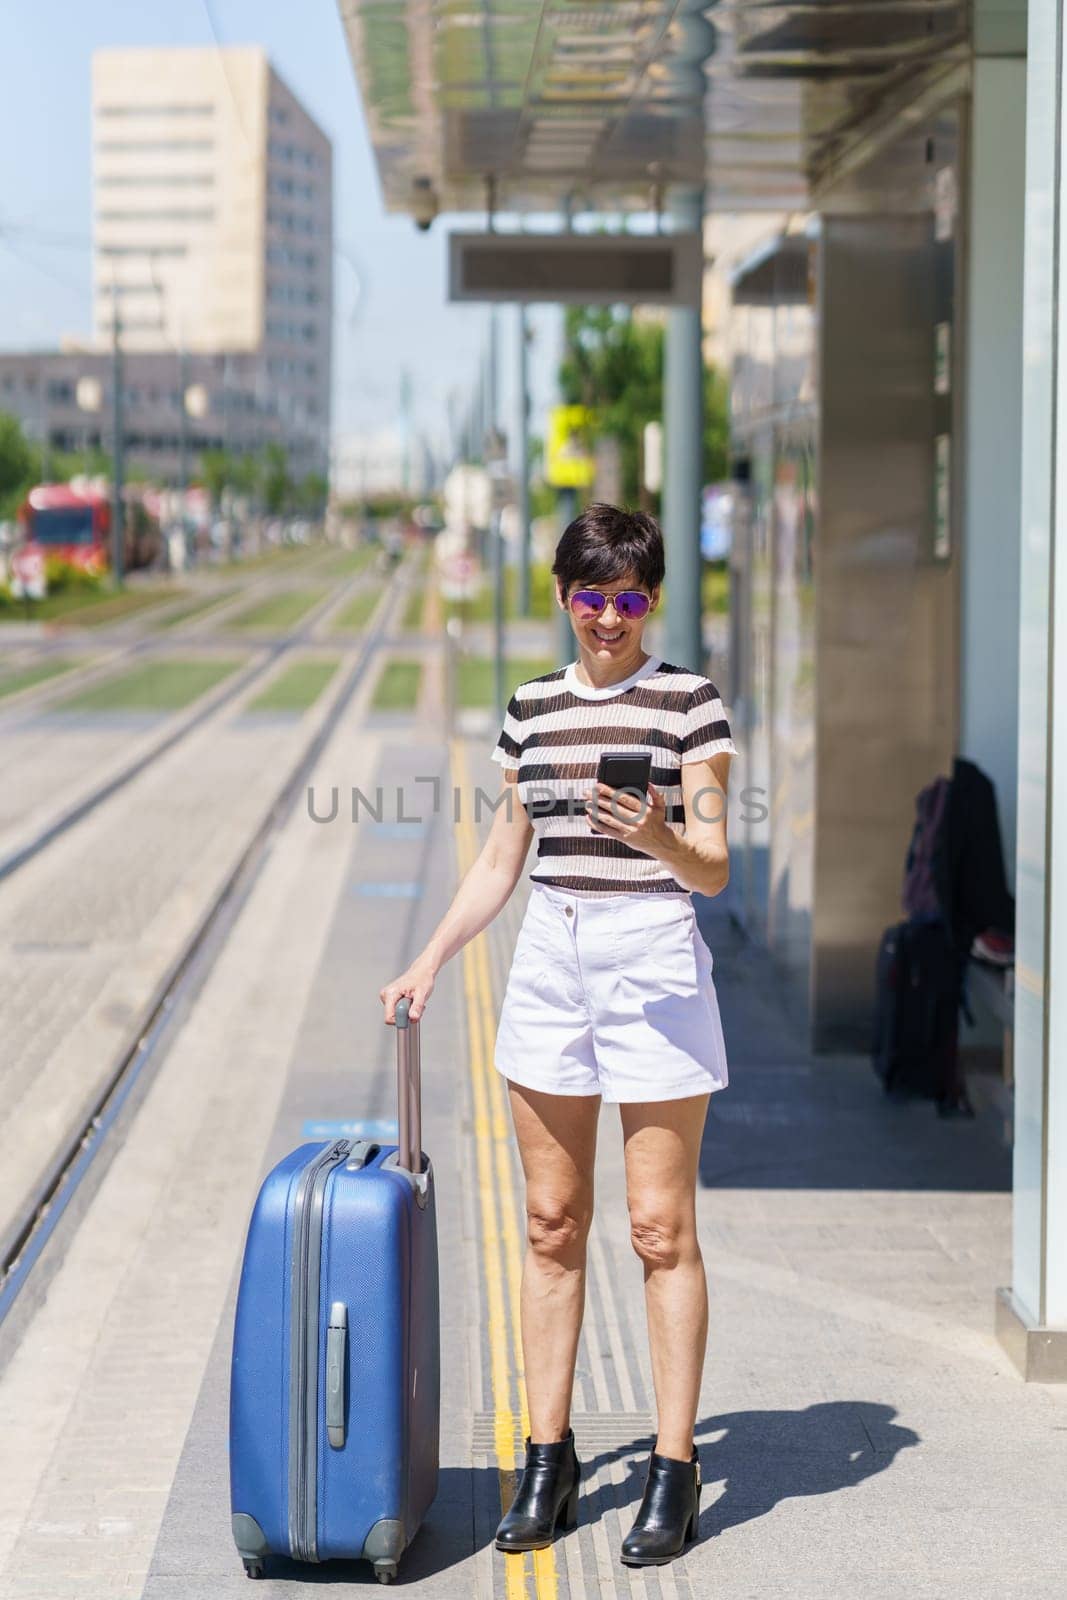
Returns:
<point x="861" y="1431"/>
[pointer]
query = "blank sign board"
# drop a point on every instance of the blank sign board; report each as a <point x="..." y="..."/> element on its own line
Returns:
<point x="588" y="269"/>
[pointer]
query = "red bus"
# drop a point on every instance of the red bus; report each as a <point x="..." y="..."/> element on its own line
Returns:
<point x="75" y="524"/>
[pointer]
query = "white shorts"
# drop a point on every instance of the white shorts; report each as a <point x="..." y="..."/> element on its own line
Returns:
<point x="611" y="995"/>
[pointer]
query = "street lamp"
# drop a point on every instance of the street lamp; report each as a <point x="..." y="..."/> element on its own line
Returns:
<point x="89" y="397"/>
<point x="118" y="380"/>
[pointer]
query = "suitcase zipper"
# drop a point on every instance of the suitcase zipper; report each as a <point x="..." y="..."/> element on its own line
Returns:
<point x="304" y="1351"/>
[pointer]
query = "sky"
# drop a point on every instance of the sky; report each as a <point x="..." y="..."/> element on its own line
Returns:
<point x="390" y="307"/>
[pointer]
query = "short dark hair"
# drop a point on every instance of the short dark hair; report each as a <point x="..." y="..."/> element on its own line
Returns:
<point x="605" y="543"/>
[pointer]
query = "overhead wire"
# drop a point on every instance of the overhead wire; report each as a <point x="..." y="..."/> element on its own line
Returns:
<point x="341" y="251"/>
<point x="8" y="235"/>
<point x="337" y="249"/>
<point x="83" y="242"/>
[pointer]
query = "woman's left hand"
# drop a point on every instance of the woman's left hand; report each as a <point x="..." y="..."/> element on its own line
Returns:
<point x="642" y="824"/>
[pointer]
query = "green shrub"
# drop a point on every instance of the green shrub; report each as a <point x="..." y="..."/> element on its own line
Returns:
<point x="63" y="577"/>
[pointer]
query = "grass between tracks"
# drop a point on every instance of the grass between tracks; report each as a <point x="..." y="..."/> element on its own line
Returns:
<point x="194" y="608"/>
<point x="278" y="610"/>
<point x="89" y="608"/>
<point x="297" y="687"/>
<point x="346" y="563"/>
<point x="40" y="672"/>
<point x="413" y="610"/>
<point x="154" y="686"/>
<point x="358" y="612"/>
<point x="397" y="688"/>
<point x="278" y="556"/>
<point x="474" y="676"/>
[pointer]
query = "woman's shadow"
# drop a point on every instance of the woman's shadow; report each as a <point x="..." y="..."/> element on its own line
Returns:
<point x="763" y="1457"/>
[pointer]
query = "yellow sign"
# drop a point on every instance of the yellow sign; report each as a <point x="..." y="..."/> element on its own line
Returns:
<point x="569" y="460"/>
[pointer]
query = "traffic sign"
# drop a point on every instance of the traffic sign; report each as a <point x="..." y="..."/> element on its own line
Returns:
<point x="569" y="461"/>
<point x="460" y="575"/>
<point x="459" y="565"/>
<point x="28" y="578"/>
<point x="501" y="485"/>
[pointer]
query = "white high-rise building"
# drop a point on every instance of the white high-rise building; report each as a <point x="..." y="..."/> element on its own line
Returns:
<point x="213" y="219"/>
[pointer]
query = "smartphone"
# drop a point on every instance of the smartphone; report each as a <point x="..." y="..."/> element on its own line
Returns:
<point x="625" y="769"/>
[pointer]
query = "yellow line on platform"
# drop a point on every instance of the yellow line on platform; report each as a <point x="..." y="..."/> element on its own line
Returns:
<point x="501" y="1248"/>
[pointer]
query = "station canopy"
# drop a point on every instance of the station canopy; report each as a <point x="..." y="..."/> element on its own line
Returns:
<point x="603" y="107"/>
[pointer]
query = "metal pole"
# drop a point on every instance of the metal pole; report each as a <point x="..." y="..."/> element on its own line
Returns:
<point x="118" y="440"/>
<point x="496" y="540"/>
<point x="523" y="474"/>
<point x="183" y="427"/>
<point x="565" y="646"/>
<point x="491" y="388"/>
<point x="42" y="399"/>
<point x="683" y="428"/>
<point x="226" y="404"/>
<point x="450" y="679"/>
<point x="183" y="447"/>
<point x="454" y="427"/>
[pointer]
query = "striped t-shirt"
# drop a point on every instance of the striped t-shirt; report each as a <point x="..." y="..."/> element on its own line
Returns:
<point x="554" y="730"/>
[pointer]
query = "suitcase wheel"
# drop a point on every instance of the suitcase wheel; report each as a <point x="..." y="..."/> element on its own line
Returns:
<point x="385" y="1571"/>
<point x="254" y="1569"/>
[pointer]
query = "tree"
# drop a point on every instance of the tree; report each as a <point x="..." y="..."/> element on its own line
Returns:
<point x="18" y="463"/>
<point x="716" y="425"/>
<point x="21" y="465"/>
<point x="224" y="469"/>
<point x="245" y="474"/>
<point x="312" y="492"/>
<point x="613" y="362"/>
<point x="277" y="485"/>
<point x="216" y="469"/>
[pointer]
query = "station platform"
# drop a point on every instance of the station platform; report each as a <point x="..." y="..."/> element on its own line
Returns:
<point x="861" y="1432"/>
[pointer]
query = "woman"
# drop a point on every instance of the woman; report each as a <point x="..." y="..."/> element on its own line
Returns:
<point x="610" y="997"/>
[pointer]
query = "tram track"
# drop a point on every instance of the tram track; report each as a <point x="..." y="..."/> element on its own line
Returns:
<point x="214" y="701"/>
<point x="129" y="637"/>
<point x="48" y="1209"/>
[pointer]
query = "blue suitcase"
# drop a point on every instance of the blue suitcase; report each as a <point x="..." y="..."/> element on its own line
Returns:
<point x="335" y="1383"/>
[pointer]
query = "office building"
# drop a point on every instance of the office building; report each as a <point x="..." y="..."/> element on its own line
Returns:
<point x="212" y="224"/>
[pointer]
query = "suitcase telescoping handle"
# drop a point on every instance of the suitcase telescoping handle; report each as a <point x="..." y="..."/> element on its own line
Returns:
<point x="408" y="1088"/>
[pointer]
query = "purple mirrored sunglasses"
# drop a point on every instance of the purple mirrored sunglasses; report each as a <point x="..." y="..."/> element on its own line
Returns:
<point x="629" y="603"/>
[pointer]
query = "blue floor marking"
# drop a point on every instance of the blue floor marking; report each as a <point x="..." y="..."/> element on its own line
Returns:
<point x="369" y="1128"/>
<point x="395" y="891"/>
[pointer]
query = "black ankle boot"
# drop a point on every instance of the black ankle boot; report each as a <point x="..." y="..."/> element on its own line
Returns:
<point x="546" y="1498"/>
<point x="668" y="1514"/>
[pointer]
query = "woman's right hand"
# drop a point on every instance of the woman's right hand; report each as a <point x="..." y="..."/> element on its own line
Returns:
<point x="417" y="982"/>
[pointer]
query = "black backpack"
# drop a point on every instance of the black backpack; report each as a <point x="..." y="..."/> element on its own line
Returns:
<point x="923" y="893"/>
<point x="920" y="970"/>
<point x="919" y="983"/>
